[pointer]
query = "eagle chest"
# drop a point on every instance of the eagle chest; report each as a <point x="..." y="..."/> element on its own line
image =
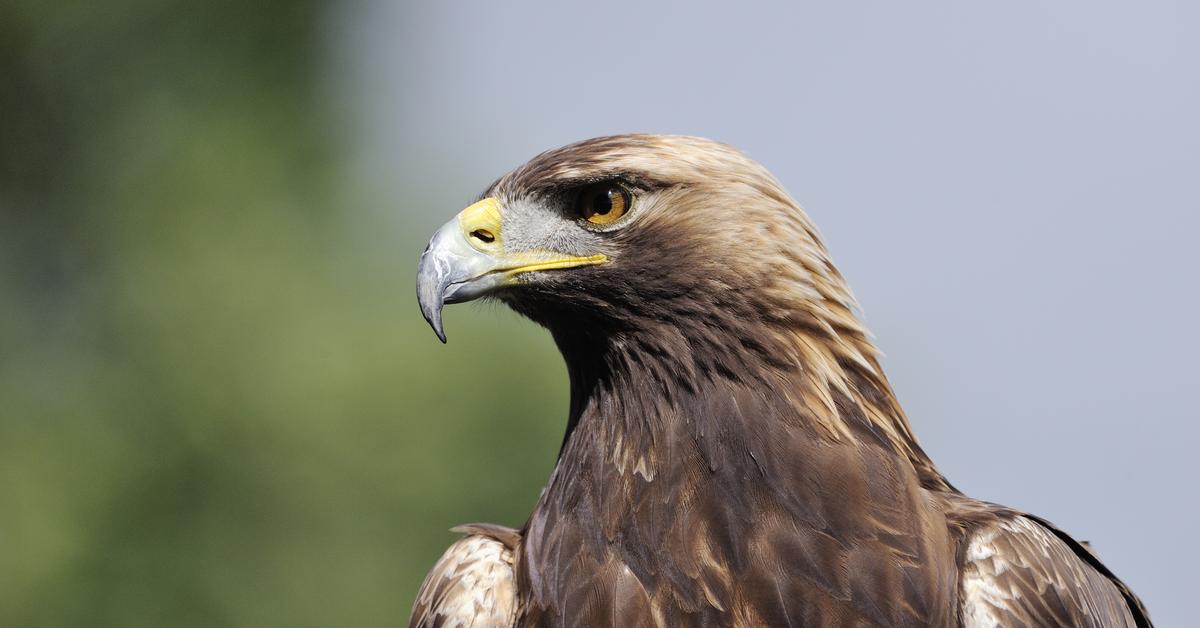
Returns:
<point x="623" y="551"/>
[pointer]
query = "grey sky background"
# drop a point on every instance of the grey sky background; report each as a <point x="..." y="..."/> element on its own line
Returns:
<point x="1011" y="189"/>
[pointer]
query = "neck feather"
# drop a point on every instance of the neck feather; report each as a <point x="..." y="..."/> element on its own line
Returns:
<point x="641" y="388"/>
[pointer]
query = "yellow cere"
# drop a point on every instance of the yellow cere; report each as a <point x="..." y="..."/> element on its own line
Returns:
<point x="480" y="223"/>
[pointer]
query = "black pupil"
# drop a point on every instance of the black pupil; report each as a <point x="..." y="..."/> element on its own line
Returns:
<point x="604" y="202"/>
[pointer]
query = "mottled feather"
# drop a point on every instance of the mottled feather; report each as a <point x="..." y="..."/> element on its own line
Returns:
<point x="471" y="585"/>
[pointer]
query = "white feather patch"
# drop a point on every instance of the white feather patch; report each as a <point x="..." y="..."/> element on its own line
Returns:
<point x="470" y="586"/>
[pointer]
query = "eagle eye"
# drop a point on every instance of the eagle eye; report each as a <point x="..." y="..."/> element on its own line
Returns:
<point x="603" y="203"/>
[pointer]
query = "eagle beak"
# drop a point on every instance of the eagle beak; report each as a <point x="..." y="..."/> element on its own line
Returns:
<point x="466" y="259"/>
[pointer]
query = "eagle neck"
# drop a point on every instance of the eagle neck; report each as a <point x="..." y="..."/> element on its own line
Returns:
<point x="640" y="394"/>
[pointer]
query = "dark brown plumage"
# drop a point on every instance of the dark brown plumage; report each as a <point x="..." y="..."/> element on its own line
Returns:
<point x="734" y="453"/>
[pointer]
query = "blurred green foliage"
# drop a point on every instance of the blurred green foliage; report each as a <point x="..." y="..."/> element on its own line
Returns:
<point x="219" y="405"/>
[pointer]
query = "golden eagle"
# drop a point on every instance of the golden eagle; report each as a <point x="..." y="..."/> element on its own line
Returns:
<point x="734" y="454"/>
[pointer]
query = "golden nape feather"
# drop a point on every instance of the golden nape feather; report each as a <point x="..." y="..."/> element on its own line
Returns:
<point x="734" y="454"/>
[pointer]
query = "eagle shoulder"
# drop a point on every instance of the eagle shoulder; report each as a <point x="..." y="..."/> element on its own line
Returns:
<point x="472" y="584"/>
<point x="1017" y="570"/>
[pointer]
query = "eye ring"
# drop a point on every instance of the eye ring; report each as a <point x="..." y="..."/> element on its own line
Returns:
<point x="603" y="203"/>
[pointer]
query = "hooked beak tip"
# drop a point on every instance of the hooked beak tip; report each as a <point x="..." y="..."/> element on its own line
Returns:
<point x="431" y="288"/>
<point x="432" y="310"/>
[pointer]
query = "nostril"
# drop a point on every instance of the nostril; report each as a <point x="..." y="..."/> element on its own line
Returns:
<point x="483" y="235"/>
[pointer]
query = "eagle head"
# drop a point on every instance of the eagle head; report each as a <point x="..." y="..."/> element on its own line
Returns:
<point x="665" y="266"/>
<point x="678" y="241"/>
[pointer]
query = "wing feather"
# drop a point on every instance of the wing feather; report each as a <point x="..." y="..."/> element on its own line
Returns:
<point x="1019" y="571"/>
<point x="472" y="584"/>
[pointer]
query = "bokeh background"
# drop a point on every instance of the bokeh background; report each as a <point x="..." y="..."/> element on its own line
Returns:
<point x="219" y="405"/>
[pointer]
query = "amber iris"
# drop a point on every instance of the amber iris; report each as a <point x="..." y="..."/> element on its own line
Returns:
<point x="603" y="203"/>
